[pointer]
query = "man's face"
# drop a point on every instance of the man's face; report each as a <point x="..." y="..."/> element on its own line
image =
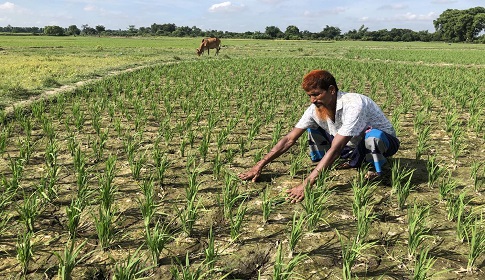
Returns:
<point x="321" y="97"/>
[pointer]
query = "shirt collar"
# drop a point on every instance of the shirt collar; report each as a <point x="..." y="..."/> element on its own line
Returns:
<point x="339" y="101"/>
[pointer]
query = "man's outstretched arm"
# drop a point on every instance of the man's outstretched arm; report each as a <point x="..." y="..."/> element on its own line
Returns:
<point x="282" y="146"/>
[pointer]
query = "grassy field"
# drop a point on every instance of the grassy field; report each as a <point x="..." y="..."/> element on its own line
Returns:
<point x="136" y="168"/>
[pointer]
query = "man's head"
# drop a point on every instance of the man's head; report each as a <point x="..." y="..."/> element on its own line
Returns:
<point x="318" y="79"/>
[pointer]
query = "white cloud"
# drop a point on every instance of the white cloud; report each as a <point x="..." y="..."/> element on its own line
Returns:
<point x="393" y="7"/>
<point x="443" y="1"/>
<point x="89" y="8"/>
<point x="416" y="17"/>
<point x="225" y="7"/>
<point x="334" y="11"/>
<point x="7" y="6"/>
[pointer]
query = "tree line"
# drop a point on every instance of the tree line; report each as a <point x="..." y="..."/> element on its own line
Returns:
<point x="451" y="26"/>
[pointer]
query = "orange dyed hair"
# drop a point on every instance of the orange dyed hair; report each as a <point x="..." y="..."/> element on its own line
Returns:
<point x="318" y="79"/>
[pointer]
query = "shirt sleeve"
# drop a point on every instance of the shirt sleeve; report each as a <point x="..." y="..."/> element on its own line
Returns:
<point x="307" y="120"/>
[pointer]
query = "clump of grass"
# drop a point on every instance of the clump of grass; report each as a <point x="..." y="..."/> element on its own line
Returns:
<point x="236" y="221"/>
<point x="401" y="183"/>
<point x="282" y="271"/>
<point x="25" y="251"/>
<point x="417" y="230"/>
<point x="296" y="232"/>
<point x="70" y="258"/>
<point x="476" y="243"/>
<point x="131" y="268"/>
<point x="156" y="239"/>
<point x="423" y="265"/>
<point x="351" y="251"/>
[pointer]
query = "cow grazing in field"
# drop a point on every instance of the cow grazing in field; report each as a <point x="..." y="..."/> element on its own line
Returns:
<point x="209" y="43"/>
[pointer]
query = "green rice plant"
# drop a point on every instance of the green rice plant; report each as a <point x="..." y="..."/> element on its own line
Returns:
<point x="16" y="169"/>
<point x="282" y="271"/>
<point x="204" y="145"/>
<point x="103" y="223"/>
<point x="364" y="217"/>
<point x="130" y="145"/>
<point x="48" y="128"/>
<point x="455" y="205"/>
<point x="70" y="258"/>
<point x="419" y="119"/>
<point x="30" y="209"/>
<point x="446" y="186"/>
<point x="4" y="136"/>
<point x="136" y="165"/>
<point x="315" y="204"/>
<point x="401" y="182"/>
<point x="210" y="252"/>
<point x="107" y="190"/>
<point x="423" y="265"/>
<point x="363" y="190"/>
<point x="242" y="144"/>
<point x="351" y="250"/>
<point x="434" y="170"/>
<point x="73" y="213"/>
<point x="451" y="120"/>
<point x="156" y="239"/>
<point x="476" y="243"/>
<point x="187" y="271"/>
<point x="230" y="195"/>
<point x="276" y="134"/>
<point x="266" y="204"/>
<point x="25" y="252"/>
<point x="192" y="188"/>
<point x="464" y="221"/>
<point x="296" y="164"/>
<point x="26" y="147"/>
<point x="423" y="141"/>
<point x="395" y="119"/>
<point x="236" y="221"/>
<point x="417" y="230"/>
<point x="51" y="154"/>
<point x="182" y="147"/>
<point x="99" y="145"/>
<point x="78" y="115"/>
<point x="147" y="204"/>
<point x="296" y="232"/>
<point x="217" y="164"/>
<point x="162" y="163"/>
<point x="477" y="174"/>
<point x="188" y="215"/>
<point x="457" y="143"/>
<point x="131" y="268"/>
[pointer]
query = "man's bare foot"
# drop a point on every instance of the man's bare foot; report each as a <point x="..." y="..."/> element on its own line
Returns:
<point x="372" y="175"/>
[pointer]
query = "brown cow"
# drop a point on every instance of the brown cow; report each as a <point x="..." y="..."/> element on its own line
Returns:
<point x="209" y="43"/>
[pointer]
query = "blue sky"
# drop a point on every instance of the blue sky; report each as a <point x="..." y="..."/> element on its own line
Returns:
<point x="233" y="15"/>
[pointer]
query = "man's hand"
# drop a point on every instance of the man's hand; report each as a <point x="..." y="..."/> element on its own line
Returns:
<point x="252" y="174"/>
<point x="296" y="194"/>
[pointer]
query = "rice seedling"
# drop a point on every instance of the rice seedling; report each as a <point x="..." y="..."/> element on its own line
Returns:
<point x="131" y="268"/>
<point x="107" y="190"/>
<point x="266" y="204"/>
<point x="230" y="195"/>
<point x="156" y="239"/>
<point x="351" y="250"/>
<point x="477" y="174"/>
<point x="457" y="144"/>
<point x="162" y="163"/>
<point x="78" y="116"/>
<point x="417" y="230"/>
<point x="423" y="265"/>
<point x="147" y="204"/>
<point x="70" y="258"/>
<point x="455" y="205"/>
<point x="4" y="135"/>
<point x="296" y="231"/>
<point x="99" y="144"/>
<point x="476" y="242"/>
<point x="363" y="190"/>
<point x="423" y="141"/>
<point x="401" y="182"/>
<point x="136" y="165"/>
<point x="446" y="186"/>
<point x="296" y="164"/>
<point x="236" y="221"/>
<point x="30" y="209"/>
<point x="315" y="204"/>
<point x="25" y="252"/>
<point x="103" y="223"/>
<point x="364" y="217"/>
<point x="16" y="169"/>
<point x="187" y="271"/>
<point x="282" y="271"/>
<point x="210" y="252"/>
<point x="192" y="188"/>
<point x="188" y="215"/>
<point x="434" y="170"/>
<point x="204" y="145"/>
<point x="73" y="213"/>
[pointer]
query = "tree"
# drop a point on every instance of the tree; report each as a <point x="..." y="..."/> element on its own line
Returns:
<point x="292" y="33"/>
<point x="100" y="28"/>
<point x="73" y="30"/>
<point x="330" y="32"/>
<point x="460" y="25"/>
<point x="273" y="32"/>
<point x="53" y="30"/>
